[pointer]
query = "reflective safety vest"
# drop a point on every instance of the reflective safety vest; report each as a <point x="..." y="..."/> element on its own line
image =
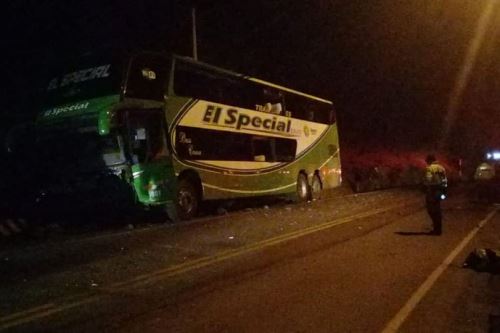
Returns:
<point x="435" y="175"/>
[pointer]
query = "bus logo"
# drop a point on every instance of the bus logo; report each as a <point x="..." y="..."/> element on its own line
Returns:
<point x="238" y="119"/>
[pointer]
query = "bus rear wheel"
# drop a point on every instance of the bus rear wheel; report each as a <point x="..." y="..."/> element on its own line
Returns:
<point x="302" y="188"/>
<point x="187" y="199"/>
<point x="316" y="188"/>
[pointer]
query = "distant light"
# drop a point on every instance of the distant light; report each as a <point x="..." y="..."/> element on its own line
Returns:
<point x="443" y="196"/>
<point x="494" y="155"/>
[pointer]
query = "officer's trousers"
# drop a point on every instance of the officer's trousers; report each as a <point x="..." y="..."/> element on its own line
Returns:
<point x="433" y="205"/>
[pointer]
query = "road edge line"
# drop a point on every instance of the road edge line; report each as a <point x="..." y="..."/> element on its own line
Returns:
<point x="395" y="323"/>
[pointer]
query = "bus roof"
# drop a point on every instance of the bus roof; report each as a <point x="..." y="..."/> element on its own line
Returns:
<point x="246" y="77"/>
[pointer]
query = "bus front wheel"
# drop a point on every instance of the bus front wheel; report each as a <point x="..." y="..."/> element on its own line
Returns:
<point x="302" y="188"/>
<point x="187" y="199"/>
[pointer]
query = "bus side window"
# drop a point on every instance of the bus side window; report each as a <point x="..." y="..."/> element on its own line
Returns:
<point x="157" y="138"/>
<point x="146" y="136"/>
<point x="262" y="149"/>
<point x="139" y="144"/>
<point x="147" y="78"/>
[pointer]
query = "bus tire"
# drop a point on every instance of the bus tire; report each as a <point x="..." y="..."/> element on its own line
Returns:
<point x="187" y="199"/>
<point x="316" y="188"/>
<point x="303" y="190"/>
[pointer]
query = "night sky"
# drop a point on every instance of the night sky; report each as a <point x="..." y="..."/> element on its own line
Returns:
<point x="389" y="66"/>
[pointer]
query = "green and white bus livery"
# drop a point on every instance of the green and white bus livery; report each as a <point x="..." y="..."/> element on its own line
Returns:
<point x="177" y="131"/>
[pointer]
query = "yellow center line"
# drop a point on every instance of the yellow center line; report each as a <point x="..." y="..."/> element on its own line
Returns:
<point x="228" y="254"/>
<point x="43" y="311"/>
<point x="26" y="312"/>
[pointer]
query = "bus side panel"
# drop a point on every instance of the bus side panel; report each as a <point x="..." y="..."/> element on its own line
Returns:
<point x="224" y="181"/>
<point x="224" y="184"/>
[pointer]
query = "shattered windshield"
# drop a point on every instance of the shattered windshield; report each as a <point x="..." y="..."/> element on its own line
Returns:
<point x="83" y="150"/>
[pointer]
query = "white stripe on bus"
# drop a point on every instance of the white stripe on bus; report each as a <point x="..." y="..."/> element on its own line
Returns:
<point x="248" y="191"/>
<point x="207" y="167"/>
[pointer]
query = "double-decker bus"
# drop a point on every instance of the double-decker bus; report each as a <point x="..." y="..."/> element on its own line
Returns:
<point x="175" y="131"/>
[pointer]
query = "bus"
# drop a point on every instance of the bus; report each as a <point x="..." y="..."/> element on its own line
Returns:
<point x="171" y="131"/>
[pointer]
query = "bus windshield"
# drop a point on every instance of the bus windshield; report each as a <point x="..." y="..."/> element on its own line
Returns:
<point x="85" y="151"/>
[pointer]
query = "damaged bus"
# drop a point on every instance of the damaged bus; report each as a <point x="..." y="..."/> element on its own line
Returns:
<point x="153" y="130"/>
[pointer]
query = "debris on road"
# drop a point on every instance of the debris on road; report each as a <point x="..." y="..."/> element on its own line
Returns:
<point x="483" y="260"/>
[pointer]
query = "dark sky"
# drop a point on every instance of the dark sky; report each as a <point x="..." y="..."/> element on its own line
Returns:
<point x="389" y="66"/>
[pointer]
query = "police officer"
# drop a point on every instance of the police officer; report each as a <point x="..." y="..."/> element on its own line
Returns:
<point x="435" y="190"/>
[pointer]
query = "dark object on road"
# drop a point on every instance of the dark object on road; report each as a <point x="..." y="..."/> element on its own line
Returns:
<point x="483" y="260"/>
<point x="494" y="324"/>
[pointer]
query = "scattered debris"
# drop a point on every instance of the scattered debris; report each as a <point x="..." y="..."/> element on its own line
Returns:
<point x="483" y="260"/>
<point x="231" y="237"/>
<point x="130" y="226"/>
<point x="266" y="207"/>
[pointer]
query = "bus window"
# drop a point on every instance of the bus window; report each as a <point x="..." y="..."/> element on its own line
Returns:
<point x="263" y="149"/>
<point x="271" y="149"/>
<point x="194" y="82"/>
<point x="147" y="78"/>
<point x="146" y="136"/>
<point x="112" y="152"/>
<point x="204" y="144"/>
<point x="190" y="80"/>
<point x="309" y="109"/>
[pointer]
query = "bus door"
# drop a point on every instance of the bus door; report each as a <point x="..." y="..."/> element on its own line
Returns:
<point x="152" y="170"/>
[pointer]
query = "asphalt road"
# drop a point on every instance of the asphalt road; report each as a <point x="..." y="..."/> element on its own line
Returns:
<point x="346" y="263"/>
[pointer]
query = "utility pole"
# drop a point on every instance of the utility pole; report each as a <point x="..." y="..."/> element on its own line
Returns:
<point x="193" y="18"/>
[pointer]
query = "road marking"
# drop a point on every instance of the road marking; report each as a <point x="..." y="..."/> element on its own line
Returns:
<point x="27" y="312"/>
<point x="228" y="254"/>
<point x="47" y="310"/>
<point x="396" y="322"/>
<point x="41" y="312"/>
